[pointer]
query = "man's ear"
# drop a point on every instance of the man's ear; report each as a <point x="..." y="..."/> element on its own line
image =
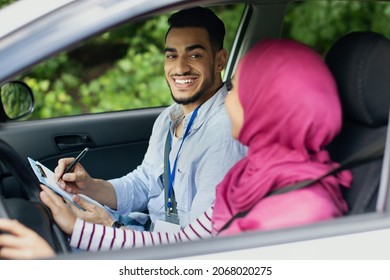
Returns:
<point x="221" y="60"/>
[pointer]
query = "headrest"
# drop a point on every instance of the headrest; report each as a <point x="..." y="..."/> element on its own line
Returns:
<point x="360" y="63"/>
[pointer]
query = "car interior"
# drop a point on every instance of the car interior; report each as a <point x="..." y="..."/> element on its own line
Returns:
<point x="360" y="62"/>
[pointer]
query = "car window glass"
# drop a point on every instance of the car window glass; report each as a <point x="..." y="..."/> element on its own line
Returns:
<point x="119" y="70"/>
<point x="317" y="23"/>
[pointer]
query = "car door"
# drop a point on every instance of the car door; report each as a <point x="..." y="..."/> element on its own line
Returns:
<point x="117" y="140"/>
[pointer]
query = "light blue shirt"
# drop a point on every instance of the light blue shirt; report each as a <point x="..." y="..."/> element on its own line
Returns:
<point x="207" y="154"/>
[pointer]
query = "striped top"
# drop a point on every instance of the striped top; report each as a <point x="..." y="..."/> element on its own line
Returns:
<point x="95" y="237"/>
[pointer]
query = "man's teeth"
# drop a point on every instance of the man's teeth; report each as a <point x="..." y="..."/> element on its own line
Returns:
<point x="187" y="81"/>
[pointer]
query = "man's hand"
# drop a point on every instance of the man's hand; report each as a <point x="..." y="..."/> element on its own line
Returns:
<point x="80" y="182"/>
<point x="21" y="242"/>
<point x="77" y="181"/>
<point x="93" y="214"/>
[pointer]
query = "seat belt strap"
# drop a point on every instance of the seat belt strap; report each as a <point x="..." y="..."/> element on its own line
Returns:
<point x="371" y="152"/>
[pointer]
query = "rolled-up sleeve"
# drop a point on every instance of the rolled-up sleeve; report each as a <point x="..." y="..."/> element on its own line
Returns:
<point x="133" y="190"/>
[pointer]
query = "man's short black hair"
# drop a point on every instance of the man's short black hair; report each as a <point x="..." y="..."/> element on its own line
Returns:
<point x="200" y="17"/>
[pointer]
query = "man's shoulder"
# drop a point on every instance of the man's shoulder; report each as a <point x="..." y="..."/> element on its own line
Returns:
<point x="217" y="113"/>
<point x="218" y="124"/>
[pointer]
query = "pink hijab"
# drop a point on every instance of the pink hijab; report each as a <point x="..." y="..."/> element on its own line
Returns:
<point x="291" y="111"/>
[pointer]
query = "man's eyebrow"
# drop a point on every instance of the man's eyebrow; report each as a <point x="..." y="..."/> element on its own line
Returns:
<point x="187" y="49"/>
<point x="193" y="47"/>
<point x="170" y="50"/>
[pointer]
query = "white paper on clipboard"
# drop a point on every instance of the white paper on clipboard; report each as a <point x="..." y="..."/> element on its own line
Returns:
<point x="46" y="177"/>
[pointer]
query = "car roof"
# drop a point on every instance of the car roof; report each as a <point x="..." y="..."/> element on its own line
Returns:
<point x="22" y="12"/>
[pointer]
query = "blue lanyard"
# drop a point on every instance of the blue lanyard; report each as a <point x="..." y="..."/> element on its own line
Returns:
<point x="172" y="172"/>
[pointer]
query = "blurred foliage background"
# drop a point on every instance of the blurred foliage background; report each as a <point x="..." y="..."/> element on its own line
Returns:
<point x="319" y="23"/>
<point x="123" y="68"/>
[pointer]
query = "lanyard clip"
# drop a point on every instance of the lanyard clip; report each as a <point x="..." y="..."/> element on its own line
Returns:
<point x="169" y="207"/>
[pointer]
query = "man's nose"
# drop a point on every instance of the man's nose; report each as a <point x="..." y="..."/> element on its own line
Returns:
<point x="182" y="66"/>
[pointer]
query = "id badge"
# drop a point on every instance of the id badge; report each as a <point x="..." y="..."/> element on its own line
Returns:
<point x="171" y="224"/>
<point x="172" y="218"/>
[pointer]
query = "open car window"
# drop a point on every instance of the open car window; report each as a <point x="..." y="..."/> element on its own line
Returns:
<point x="120" y="69"/>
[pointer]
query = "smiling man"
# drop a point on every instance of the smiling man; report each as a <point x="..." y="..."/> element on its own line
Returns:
<point x="190" y="149"/>
<point x="193" y="67"/>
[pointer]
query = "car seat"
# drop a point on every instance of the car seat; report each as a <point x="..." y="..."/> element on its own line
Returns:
<point x="360" y="62"/>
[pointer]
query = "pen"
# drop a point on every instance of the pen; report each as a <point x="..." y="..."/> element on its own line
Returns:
<point x="73" y="163"/>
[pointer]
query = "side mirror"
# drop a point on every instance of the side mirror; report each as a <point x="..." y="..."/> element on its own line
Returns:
<point x="17" y="100"/>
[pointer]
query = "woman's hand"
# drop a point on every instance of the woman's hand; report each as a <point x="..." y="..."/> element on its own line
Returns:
<point x="93" y="214"/>
<point x="63" y="213"/>
<point x="21" y="242"/>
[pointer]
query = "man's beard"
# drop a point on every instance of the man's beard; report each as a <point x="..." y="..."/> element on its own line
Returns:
<point x="205" y="88"/>
<point x="190" y="100"/>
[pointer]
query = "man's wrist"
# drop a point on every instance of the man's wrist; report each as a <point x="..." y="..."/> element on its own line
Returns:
<point x="117" y="224"/>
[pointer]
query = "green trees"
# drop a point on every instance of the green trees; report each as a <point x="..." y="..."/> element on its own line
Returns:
<point x="120" y="69"/>
<point x="319" y="23"/>
<point x="5" y="2"/>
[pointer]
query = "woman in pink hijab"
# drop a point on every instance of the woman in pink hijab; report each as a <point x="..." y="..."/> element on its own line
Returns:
<point x="284" y="106"/>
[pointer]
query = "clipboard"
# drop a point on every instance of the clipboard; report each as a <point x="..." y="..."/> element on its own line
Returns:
<point x="46" y="177"/>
